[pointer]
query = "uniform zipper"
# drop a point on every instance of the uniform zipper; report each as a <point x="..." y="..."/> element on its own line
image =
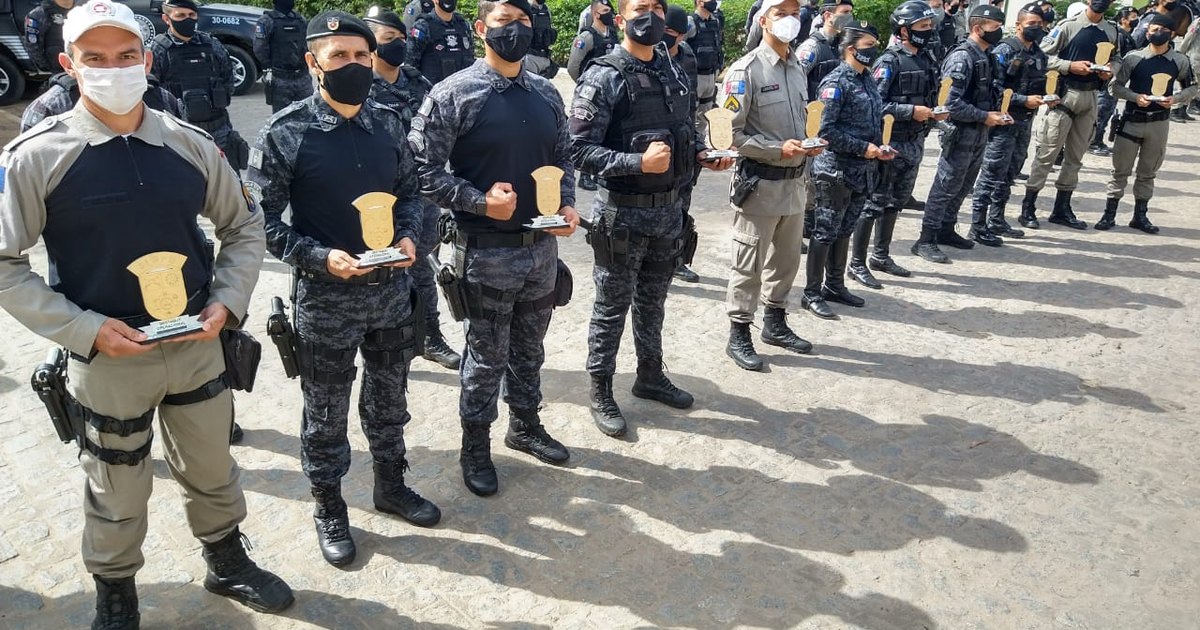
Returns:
<point x="136" y="170"/>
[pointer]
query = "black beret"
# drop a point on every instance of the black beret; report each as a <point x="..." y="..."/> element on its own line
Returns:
<point x="182" y="4"/>
<point x="1035" y="8"/>
<point x="829" y="5"/>
<point x="335" y="22"/>
<point x="523" y="5"/>
<point x="854" y="30"/>
<point x="1155" y="17"/>
<point x="677" y="19"/>
<point x="386" y="17"/>
<point x="988" y="12"/>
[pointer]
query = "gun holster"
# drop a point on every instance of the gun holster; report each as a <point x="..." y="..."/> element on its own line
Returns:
<point x="49" y="382"/>
<point x="242" y="355"/>
<point x="691" y="240"/>
<point x="283" y="335"/>
<point x="564" y="284"/>
<point x="1117" y="126"/>
<point x="743" y="187"/>
<point x="452" y="285"/>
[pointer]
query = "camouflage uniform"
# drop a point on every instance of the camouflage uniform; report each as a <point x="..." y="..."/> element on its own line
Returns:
<point x="43" y="35"/>
<point x="279" y="44"/>
<point x="292" y="157"/>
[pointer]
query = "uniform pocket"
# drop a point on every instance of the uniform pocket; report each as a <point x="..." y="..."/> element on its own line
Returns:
<point x="744" y="253"/>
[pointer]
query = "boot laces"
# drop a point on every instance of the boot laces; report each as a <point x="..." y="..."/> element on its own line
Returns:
<point x="335" y="529"/>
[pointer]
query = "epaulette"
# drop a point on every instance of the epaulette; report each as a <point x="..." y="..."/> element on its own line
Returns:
<point x="187" y="125"/>
<point x="42" y="127"/>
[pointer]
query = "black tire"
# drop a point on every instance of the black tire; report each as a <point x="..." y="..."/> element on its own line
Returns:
<point x="244" y="80"/>
<point x="12" y="81"/>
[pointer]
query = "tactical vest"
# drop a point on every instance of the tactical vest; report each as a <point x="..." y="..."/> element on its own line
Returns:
<point x="287" y="42"/>
<point x="1142" y="73"/>
<point x="946" y="33"/>
<point x="52" y="31"/>
<point x="1025" y="74"/>
<point x="544" y="34"/>
<point x="194" y="80"/>
<point x="824" y="61"/>
<point x="979" y="92"/>
<point x="915" y="83"/>
<point x="659" y="109"/>
<point x="706" y="43"/>
<point x="601" y="45"/>
<point x="456" y="47"/>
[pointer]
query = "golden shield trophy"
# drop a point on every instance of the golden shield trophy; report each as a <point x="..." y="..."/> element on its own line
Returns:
<point x="1158" y="87"/>
<point x="164" y="293"/>
<point x="378" y="231"/>
<point x="1051" y="97"/>
<point x="720" y="133"/>
<point x="1104" y="51"/>
<point x="888" y="121"/>
<point x="1005" y="101"/>
<point x="548" y="180"/>
<point x="943" y="95"/>
<point x="812" y="125"/>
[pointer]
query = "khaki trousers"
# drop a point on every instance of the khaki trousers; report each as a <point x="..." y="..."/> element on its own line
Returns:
<point x="765" y="260"/>
<point x="1148" y="155"/>
<point x="1055" y="130"/>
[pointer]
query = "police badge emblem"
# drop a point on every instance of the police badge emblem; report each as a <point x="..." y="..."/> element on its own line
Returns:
<point x="164" y="294"/>
<point x="333" y="23"/>
<point x="378" y="231"/>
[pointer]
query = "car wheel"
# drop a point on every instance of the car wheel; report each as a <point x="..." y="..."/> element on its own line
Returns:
<point x="245" y="73"/>
<point x="12" y="81"/>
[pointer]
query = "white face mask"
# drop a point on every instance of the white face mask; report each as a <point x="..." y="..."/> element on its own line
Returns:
<point x="117" y="90"/>
<point x="785" y="29"/>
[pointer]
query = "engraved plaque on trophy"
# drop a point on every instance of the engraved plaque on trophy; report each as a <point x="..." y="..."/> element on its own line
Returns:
<point x="1158" y="87"/>
<point x="549" y="199"/>
<point x="720" y="133"/>
<point x="1104" y="52"/>
<point x="164" y="293"/>
<point x="812" y="125"/>
<point x="1051" y="96"/>
<point x="378" y="232"/>
<point x="943" y="96"/>
<point x="888" y="121"/>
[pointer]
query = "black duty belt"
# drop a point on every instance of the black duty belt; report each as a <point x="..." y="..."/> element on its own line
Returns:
<point x="1082" y="85"/>
<point x="1134" y="115"/>
<point x="211" y="125"/>
<point x="488" y="240"/>
<point x="771" y="173"/>
<point x="290" y="74"/>
<point x="642" y="200"/>
<point x="378" y="275"/>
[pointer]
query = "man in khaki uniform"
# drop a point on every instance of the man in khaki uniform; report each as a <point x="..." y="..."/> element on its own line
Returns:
<point x="767" y="92"/>
<point x="105" y="185"/>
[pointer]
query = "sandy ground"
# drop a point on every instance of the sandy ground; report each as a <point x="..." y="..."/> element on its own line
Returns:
<point x="1004" y="442"/>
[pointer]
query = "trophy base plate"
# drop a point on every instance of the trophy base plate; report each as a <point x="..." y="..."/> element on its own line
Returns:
<point x="1156" y="99"/>
<point x="813" y="143"/>
<point x="170" y="328"/>
<point x="1008" y="119"/>
<point x="377" y="257"/>
<point x="548" y="222"/>
<point x="888" y="149"/>
<point x="941" y="109"/>
<point x="720" y="154"/>
<point x="1051" y="99"/>
<point x="1096" y="68"/>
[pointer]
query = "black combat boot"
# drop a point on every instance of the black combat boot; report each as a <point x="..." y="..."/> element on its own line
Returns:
<point x="1179" y="116"/>
<point x="983" y="235"/>
<point x="116" y="604"/>
<point x="926" y="247"/>
<point x="1099" y="148"/>
<point x="913" y="204"/>
<point x="393" y="497"/>
<point x="605" y="412"/>
<point x="776" y="332"/>
<point x="741" y="347"/>
<point x="1140" y="221"/>
<point x="1028" y="216"/>
<point x="652" y="384"/>
<point x="476" y="460"/>
<point x="814" y="266"/>
<point x="333" y="526"/>
<point x="1062" y="213"/>
<point x="947" y="236"/>
<point x="526" y="434"/>
<point x="834" y="288"/>
<point x="685" y="274"/>
<point x="858" y="256"/>
<point x="1109" y="220"/>
<point x="997" y="224"/>
<point x="881" y="259"/>
<point x="437" y="350"/>
<point x="236" y="434"/>
<point x="233" y="574"/>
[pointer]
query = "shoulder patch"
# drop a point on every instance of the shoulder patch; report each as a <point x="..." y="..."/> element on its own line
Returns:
<point x="735" y="87"/>
<point x="3" y="178"/>
<point x="733" y="104"/>
<point x="807" y="56"/>
<point x="256" y="157"/>
<point x="587" y="92"/>
<point x="253" y="194"/>
<point x="426" y="106"/>
<point x="188" y="125"/>
<point x="579" y="43"/>
<point x="831" y="93"/>
<point x="883" y="73"/>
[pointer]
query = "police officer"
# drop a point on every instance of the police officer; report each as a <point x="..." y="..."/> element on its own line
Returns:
<point x="631" y="125"/>
<point x="846" y="174"/>
<point x="907" y="77"/>
<point x="43" y="33"/>
<point x="152" y="177"/>
<point x="440" y="43"/>
<point x="538" y="60"/>
<point x="279" y="43"/>
<point x="1157" y="7"/>
<point x="973" y="103"/>
<point x="708" y="42"/>
<point x="685" y="59"/>
<point x="415" y="9"/>
<point x="1069" y="125"/>
<point x="817" y="54"/>
<point x="1142" y="131"/>
<point x="1022" y="67"/>
<point x="195" y="67"/>
<point x="768" y="191"/>
<point x="62" y="92"/>
<point x="1106" y="105"/>
<point x="320" y="155"/>
<point x="515" y="118"/>
<point x="944" y="28"/>
<point x="593" y="41"/>
<point x="402" y="88"/>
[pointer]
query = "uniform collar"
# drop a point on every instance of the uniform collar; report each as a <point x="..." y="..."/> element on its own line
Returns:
<point x="499" y="82"/>
<point x="97" y="133"/>
<point x="327" y="119"/>
<point x="768" y="54"/>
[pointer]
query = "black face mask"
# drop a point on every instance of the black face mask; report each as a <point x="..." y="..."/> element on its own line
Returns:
<point x="646" y="29"/>
<point x="1171" y="6"/>
<point x="1158" y="38"/>
<point x="510" y="41"/>
<point x="952" y="9"/>
<point x="349" y="84"/>
<point x="392" y="53"/>
<point x="670" y="40"/>
<point x="710" y="6"/>
<point x="1033" y="33"/>
<point x="920" y="39"/>
<point x="185" y="27"/>
<point x="607" y="19"/>
<point x="866" y="56"/>
<point x="285" y="6"/>
<point x="993" y="37"/>
<point x="1099" y="6"/>
<point x="448" y="5"/>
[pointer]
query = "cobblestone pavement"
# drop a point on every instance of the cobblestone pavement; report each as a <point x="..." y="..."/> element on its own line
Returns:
<point x="1004" y="442"/>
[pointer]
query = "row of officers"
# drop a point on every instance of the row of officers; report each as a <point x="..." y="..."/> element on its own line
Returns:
<point x="366" y="162"/>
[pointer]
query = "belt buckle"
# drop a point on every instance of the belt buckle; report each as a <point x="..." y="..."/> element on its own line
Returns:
<point x="376" y="277"/>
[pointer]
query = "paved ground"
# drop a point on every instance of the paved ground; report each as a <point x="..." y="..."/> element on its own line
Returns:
<point x="1005" y="442"/>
